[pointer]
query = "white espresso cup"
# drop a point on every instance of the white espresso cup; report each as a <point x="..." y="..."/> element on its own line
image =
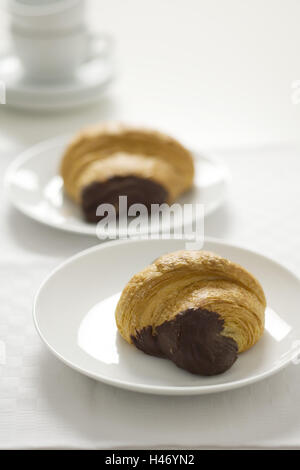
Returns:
<point x="56" y="57"/>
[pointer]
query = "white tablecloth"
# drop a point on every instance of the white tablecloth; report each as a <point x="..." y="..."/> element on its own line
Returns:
<point x="217" y="74"/>
<point x="44" y="404"/>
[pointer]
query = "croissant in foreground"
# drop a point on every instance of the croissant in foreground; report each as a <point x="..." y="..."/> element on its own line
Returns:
<point x="195" y="308"/>
<point x="111" y="160"/>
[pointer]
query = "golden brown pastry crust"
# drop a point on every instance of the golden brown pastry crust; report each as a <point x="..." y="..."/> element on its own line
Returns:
<point x="107" y="150"/>
<point x="184" y="280"/>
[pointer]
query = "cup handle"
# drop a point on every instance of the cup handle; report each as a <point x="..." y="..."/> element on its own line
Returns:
<point x="100" y="45"/>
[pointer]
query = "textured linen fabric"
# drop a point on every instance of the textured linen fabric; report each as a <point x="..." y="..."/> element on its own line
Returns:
<point x="228" y="93"/>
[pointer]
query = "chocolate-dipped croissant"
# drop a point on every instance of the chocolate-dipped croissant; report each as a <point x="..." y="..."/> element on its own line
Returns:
<point x="195" y="308"/>
<point x="112" y="160"/>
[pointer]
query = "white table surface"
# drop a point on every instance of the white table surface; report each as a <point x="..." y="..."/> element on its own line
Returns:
<point x="218" y="75"/>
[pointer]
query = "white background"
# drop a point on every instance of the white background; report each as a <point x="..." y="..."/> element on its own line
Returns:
<point x="218" y="75"/>
<point x="218" y="71"/>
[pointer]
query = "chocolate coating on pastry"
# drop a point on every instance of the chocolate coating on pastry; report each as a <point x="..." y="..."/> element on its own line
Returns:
<point x="138" y="191"/>
<point x="192" y="340"/>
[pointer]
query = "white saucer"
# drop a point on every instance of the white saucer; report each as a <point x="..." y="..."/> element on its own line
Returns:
<point x="87" y="86"/>
<point x="36" y="189"/>
<point x="74" y="315"/>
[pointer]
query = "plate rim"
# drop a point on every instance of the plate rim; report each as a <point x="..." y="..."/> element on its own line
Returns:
<point x="157" y="389"/>
<point x="47" y="144"/>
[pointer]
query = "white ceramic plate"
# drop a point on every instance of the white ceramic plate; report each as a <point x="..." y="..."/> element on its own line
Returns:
<point x="74" y="315"/>
<point x="36" y="189"/>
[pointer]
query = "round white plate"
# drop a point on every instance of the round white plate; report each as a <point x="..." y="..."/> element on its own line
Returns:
<point x="36" y="189"/>
<point x="74" y="315"/>
<point x="89" y="83"/>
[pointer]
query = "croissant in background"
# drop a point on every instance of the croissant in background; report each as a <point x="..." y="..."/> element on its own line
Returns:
<point x="112" y="160"/>
<point x="195" y="308"/>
